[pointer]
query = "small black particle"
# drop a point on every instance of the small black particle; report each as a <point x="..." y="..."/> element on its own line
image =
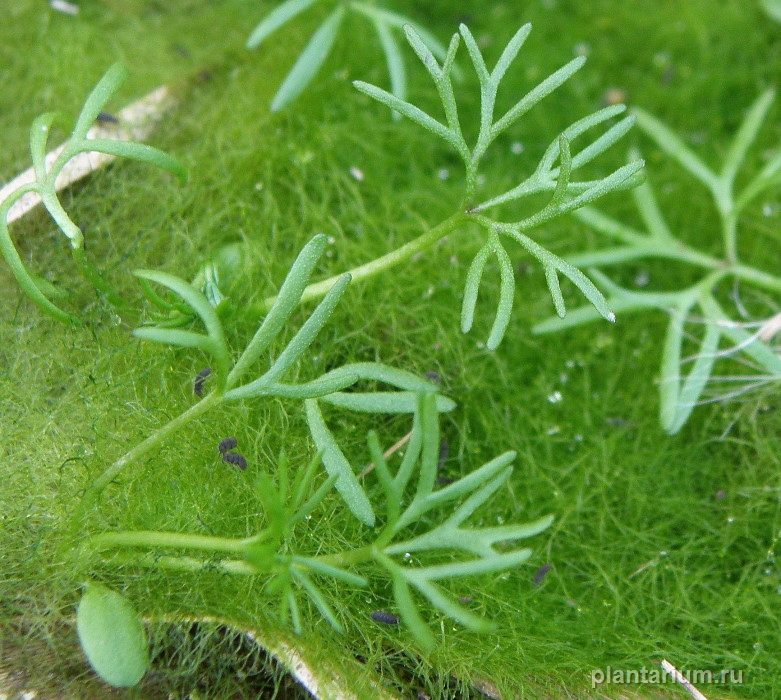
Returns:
<point x="106" y="118"/>
<point x="720" y="494"/>
<point x="385" y="618"/>
<point x="465" y="599"/>
<point x="541" y="573"/>
<point x="433" y="376"/>
<point x="235" y="459"/>
<point x="226" y="444"/>
<point x="199" y="379"/>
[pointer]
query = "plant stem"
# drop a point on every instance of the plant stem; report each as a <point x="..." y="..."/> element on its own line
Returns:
<point x="349" y="558"/>
<point x="142" y="449"/>
<point x="169" y="540"/>
<point x="370" y="269"/>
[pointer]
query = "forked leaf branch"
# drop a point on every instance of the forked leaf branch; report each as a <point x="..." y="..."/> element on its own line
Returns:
<point x="694" y="311"/>
<point x="45" y="186"/>
<point x="276" y="553"/>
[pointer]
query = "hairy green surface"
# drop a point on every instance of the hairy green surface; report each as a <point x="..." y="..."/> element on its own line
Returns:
<point x="661" y="548"/>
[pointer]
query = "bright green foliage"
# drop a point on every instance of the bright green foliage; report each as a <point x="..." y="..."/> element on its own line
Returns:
<point x="311" y="59"/>
<point x="112" y="636"/>
<point x="567" y="194"/>
<point x="229" y="388"/>
<point x="287" y="503"/>
<point x="46" y="177"/>
<point x="696" y="307"/>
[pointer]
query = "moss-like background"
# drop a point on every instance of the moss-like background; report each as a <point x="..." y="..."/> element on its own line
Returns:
<point x="623" y="493"/>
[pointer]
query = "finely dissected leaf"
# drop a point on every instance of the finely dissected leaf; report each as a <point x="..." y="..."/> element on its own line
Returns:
<point x="384" y="402"/>
<point x="337" y="465"/>
<point x="313" y="501"/>
<point x="671" y="144"/>
<point x="394" y="61"/>
<point x="399" y="378"/>
<point x="309" y="331"/>
<point x="309" y="62"/>
<point x="409" y="612"/>
<point x="278" y="17"/>
<point x="408" y="110"/>
<point x="573" y="131"/>
<point x="750" y="344"/>
<point x="137" y="151"/>
<point x="310" y="390"/>
<point x="537" y="94"/>
<point x="170" y="336"/>
<point x="646" y="203"/>
<point x="509" y="53"/>
<point x="100" y="95"/>
<point x="746" y="135"/>
<point x="332" y="571"/>
<point x="215" y="344"/>
<point x="317" y="597"/>
<point x="285" y="304"/>
<point x="447" y="605"/>
<point x="697" y="378"/>
<point x="670" y="380"/>
<point x="26" y="282"/>
<point x="39" y="137"/>
<point x="506" y="294"/>
<point x="112" y="636"/>
<point x="398" y="21"/>
<point x="457" y="489"/>
<point x="472" y="286"/>
<point x="497" y="562"/>
<point x="552" y="263"/>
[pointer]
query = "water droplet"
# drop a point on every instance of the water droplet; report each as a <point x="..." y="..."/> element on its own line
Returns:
<point x="770" y="209"/>
<point x="555" y="397"/>
<point x="516" y="147"/>
<point x="730" y="520"/>
<point x="553" y="430"/>
<point x="407" y="556"/>
<point x="480" y="179"/>
<point x="331" y="240"/>
<point x="357" y="173"/>
<point x="499" y="520"/>
<point x="443" y="173"/>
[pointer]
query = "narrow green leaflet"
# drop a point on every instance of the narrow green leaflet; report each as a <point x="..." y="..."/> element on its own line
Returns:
<point x="697" y="378"/>
<point x="275" y="19"/>
<point x="394" y="61"/>
<point x="337" y="465"/>
<point x="309" y="62"/>
<point x="45" y="187"/>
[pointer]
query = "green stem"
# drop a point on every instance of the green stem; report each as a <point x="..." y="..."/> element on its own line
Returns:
<point x="170" y="540"/>
<point x="730" y="224"/>
<point x="349" y="558"/>
<point x="153" y="441"/>
<point x="375" y="267"/>
<point x="155" y="561"/>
